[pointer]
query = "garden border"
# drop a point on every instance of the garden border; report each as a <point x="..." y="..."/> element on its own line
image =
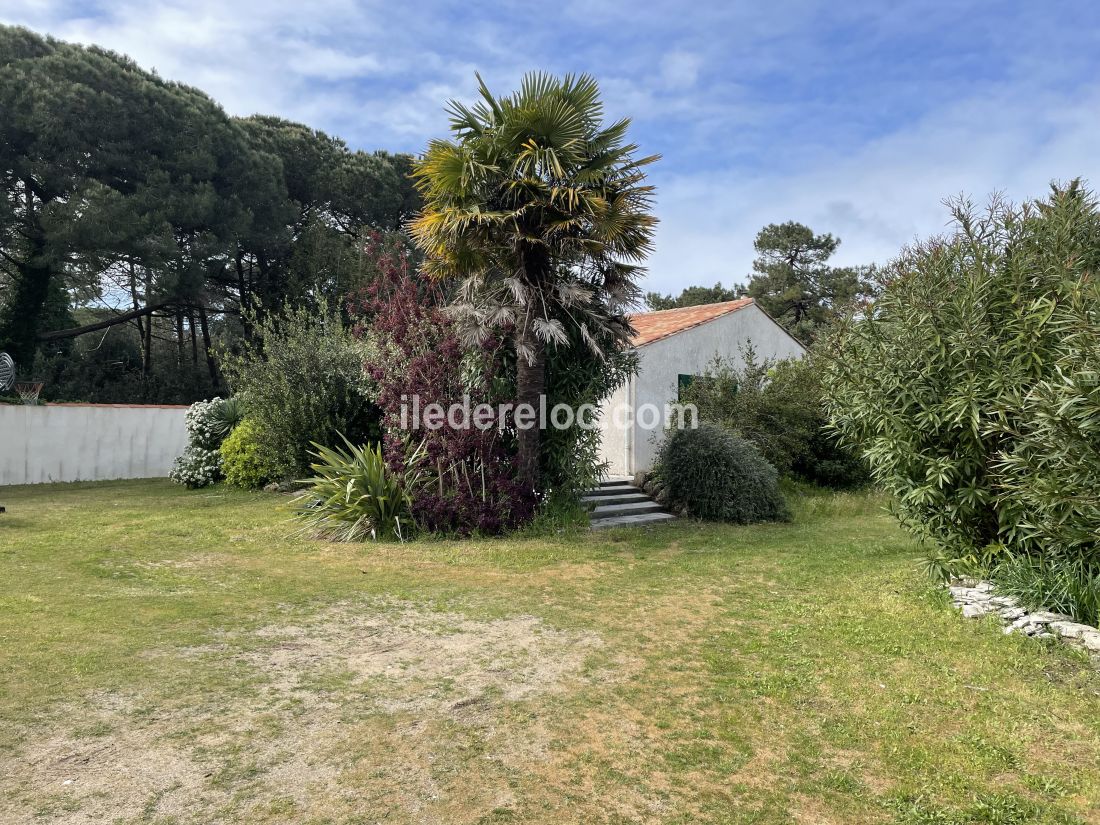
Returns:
<point x="976" y="599"/>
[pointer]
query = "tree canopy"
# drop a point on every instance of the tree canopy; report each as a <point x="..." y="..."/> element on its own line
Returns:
<point x="793" y="282"/>
<point x="126" y="199"/>
<point x="694" y="296"/>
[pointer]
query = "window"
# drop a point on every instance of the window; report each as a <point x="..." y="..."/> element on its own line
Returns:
<point x="682" y="384"/>
<point x="707" y="383"/>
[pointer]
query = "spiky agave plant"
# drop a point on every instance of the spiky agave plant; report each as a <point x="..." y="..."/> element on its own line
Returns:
<point x="225" y="415"/>
<point x="355" y="496"/>
<point x="542" y="216"/>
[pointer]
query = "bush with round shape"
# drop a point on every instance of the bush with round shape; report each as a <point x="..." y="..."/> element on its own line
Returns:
<point x="719" y="477"/>
<point x="246" y="460"/>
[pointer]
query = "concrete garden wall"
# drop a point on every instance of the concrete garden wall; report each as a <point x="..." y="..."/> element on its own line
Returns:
<point x="88" y="442"/>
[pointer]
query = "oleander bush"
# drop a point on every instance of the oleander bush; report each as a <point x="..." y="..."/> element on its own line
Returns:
<point x="718" y="476"/>
<point x="970" y="385"/>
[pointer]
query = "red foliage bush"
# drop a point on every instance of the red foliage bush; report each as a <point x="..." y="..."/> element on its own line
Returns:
<point x="416" y="352"/>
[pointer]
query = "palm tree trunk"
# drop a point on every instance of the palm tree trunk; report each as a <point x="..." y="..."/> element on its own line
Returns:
<point x="531" y="374"/>
<point x="530" y="386"/>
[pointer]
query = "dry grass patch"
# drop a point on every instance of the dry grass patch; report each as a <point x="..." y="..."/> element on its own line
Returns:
<point x="356" y="703"/>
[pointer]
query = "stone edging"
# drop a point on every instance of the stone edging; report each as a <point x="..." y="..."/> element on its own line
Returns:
<point x="977" y="599"/>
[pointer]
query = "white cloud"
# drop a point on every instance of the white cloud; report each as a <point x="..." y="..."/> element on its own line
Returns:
<point x="272" y="56"/>
<point x="680" y="69"/>
<point x="885" y="194"/>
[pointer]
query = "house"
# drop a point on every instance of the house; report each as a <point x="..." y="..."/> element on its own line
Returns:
<point x="674" y="346"/>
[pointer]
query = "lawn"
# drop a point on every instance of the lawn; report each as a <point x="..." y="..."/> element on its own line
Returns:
<point x="180" y="656"/>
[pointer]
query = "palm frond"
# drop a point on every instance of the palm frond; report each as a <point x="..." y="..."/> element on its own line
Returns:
<point x="536" y="175"/>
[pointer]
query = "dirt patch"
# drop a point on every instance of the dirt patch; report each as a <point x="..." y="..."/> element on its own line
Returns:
<point x="417" y="661"/>
<point x="412" y="714"/>
<point x="202" y="561"/>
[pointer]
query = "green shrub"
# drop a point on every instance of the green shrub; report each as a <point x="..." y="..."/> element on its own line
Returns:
<point x="246" y="458"/>
<point x="719" y="477"/>
<point x="966" y="385"/>
<point x="354" y="495"/>
<point x="571" y="459"/>
<point x="1050" y="475"/>
<point x="779" y="407"/>
<point x="301" y="378"/>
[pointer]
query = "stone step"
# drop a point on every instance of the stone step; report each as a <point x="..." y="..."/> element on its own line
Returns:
<point x="615" y="498"/>
<point x="633" y="508"/>
<point x="613" y="490"/>
<point x="616" y="481"/>
<point x="631" y="521"/>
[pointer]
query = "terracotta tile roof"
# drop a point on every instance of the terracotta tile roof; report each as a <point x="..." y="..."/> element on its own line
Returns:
<point x="653" y="326"/>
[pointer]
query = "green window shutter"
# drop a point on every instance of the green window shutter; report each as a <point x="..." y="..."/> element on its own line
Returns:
<point x="682" y="384"/>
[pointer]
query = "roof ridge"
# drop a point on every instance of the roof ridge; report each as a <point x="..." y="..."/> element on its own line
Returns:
<point x="741" y="300"/>
<point x="653" y="329"/>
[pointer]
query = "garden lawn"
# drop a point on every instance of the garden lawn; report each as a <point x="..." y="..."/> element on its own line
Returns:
<point x="180" y="656"/>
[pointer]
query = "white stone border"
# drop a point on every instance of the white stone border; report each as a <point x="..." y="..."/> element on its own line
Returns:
<point x="977" y="599"/>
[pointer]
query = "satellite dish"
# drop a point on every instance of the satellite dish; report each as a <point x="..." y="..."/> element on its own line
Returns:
<point x="7" y="371"/>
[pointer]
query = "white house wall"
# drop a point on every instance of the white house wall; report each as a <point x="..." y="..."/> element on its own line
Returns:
<point x="615" y="443"/>
<point x="690" y="352"/>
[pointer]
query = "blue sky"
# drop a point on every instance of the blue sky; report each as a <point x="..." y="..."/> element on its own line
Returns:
<point x="855" y="118"/>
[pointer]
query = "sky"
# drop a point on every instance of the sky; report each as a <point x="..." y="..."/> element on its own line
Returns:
<point x="855" y="118"/>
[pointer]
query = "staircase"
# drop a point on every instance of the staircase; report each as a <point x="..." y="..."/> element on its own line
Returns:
<point x="618" y="503"/>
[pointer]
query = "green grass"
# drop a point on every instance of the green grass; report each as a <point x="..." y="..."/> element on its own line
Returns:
<point x="181" y="656"/>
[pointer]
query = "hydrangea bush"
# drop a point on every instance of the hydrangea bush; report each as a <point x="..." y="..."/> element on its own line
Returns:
<point x="208" y="423"/>
<point x="197" y="467"/>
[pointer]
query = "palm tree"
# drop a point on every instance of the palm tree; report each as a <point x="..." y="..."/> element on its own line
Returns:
<point x="541" y="215"/>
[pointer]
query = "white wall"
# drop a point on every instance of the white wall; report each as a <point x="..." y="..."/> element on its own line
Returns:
<point x="690" y="353"/>
<point x="614" y="437"/>
<point x="88" y="442"/>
